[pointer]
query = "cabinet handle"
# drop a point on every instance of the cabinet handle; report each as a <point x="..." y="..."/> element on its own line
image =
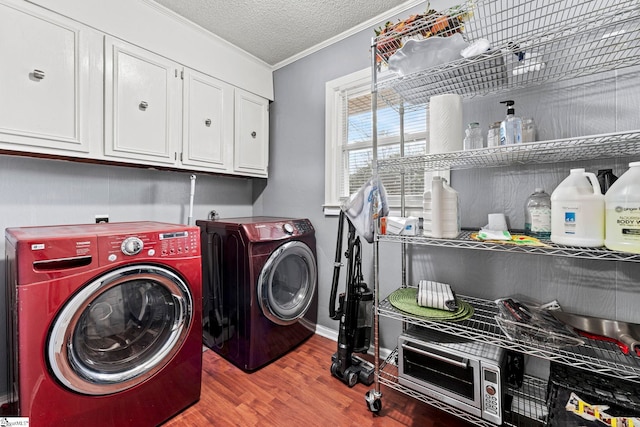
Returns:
<point x="253" y="134"/>
<point x="207" y="122"/>
<point x="38" y="74"/>
<point x="143" y="105"/>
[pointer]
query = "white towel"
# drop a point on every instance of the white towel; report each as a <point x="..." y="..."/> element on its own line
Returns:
<point x="436" y="295"/>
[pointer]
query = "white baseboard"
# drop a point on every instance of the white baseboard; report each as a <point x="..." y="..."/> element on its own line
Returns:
<point x="323" y="331"/>
<point x="333" y="335"/>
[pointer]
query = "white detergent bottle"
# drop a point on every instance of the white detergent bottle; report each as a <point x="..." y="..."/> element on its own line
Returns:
<point x="577" y="211"/>
<point x="427" y="219"/>
<point x="622" y="204"/>
<point x="444" y="213"/>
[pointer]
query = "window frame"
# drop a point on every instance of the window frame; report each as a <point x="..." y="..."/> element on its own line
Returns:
<point x="334" y="127"/>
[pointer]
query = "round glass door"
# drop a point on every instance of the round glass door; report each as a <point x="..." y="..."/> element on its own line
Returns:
<point x="287" y="283"/>
<point x="120" y="329"/>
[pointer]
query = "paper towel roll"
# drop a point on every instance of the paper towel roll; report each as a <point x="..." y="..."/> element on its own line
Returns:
<point x="445" y="123"/>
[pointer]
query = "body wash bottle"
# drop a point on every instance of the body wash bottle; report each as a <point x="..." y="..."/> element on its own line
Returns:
<point x="511" y="126"/>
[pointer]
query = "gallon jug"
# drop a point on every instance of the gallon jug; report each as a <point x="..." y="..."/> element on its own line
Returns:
<point x="577" y="211"/>
<point x="441" y="213"/>
<point x="622" y="204"/>
<point x="537" y="214"/>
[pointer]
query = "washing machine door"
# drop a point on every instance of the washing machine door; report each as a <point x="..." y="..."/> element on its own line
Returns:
<point x="287" y="283"/>
<point x="120" y="329"/>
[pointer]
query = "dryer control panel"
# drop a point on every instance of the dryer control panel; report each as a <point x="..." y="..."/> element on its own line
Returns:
<point x="276" y="230"/>
<point x="303" y="226"/>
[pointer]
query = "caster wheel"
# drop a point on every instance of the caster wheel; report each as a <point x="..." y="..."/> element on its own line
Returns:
<point x="374" y="402"/>
<point x="352" y="378"/>
<point x="334" y="369"/>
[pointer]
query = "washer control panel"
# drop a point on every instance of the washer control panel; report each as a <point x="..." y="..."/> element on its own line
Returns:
<point x="178" y="243"/>
<point x="131" y="246"/>
<point x="172" y="244"/>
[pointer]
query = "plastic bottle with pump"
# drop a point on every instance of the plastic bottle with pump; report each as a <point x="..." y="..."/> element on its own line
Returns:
<point x="511" y="126"/>
<point x="537" y="215"/>
<point x="622" y="203"/>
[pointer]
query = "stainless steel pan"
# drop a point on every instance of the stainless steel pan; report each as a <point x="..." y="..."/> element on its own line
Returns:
<point x="627" y="335"/>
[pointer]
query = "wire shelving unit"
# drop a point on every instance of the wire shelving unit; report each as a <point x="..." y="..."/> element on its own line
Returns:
<point x="531" y="43"/>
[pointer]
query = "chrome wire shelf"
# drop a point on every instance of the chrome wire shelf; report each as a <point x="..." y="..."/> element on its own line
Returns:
<point x="532" y="42"/>
<point x="528" y="401"/>
<point x="560" y="150"/>
<point x="464" y="241"/>
<point x="595" y="356"/>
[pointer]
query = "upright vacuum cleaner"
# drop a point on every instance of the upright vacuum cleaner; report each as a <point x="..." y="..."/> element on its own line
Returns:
<point x="354" y="312"/>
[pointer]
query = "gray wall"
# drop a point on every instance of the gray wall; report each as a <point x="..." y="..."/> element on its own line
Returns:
<point x="605" y="103"/>
<point x="53" y="192"/>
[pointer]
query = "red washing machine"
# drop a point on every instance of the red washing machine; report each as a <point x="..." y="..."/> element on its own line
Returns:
<point x="259" y="287"/>
<point x="105" y="323"/>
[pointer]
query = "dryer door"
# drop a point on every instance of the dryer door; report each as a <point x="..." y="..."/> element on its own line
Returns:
<point x="287" y="283"/>
<point x="120" y="329"/>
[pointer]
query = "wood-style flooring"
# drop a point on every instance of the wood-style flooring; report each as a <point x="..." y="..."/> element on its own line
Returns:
<point x="298" y="390"/>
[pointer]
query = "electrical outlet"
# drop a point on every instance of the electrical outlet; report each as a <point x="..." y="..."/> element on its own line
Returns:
<point x="102" y="219"/>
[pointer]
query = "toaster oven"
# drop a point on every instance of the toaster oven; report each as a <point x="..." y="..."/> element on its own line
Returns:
<point x="465" y="374"/>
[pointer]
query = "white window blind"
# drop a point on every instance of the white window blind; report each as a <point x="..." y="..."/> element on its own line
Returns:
<point x="357" y="144"/>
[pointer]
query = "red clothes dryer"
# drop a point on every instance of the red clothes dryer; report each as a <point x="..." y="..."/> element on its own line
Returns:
<point x="105" y="323"/>
<point x="259" y="287"/>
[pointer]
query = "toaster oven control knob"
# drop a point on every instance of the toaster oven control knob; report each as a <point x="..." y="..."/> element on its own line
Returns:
<point x="288" y="228"/>
<point x="131" y="246"/>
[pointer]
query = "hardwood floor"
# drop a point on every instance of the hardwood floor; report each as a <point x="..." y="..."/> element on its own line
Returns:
<point x="298" y="390"/>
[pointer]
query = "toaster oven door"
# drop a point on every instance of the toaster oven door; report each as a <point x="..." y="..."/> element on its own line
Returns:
<point x="449" y="377"/>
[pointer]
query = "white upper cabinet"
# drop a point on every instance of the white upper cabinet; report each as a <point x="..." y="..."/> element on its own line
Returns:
<point x="68" y="89"/>
<point x="251" y="134"/>
<point x="142" y="104"/>
<point x="47" y="82"/>
<point x="207" y="135"/>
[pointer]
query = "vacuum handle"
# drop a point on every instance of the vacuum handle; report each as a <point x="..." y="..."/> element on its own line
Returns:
<point x="333" y="313"/>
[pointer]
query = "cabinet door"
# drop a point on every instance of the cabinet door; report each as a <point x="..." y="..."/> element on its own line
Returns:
<point x="251" y="134"/>
<point x="44" y="81"/>
<point x="142" y="104"/>
<point x="207" y="139"/>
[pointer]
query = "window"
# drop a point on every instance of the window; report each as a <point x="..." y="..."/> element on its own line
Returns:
<point x="349" y="142"/>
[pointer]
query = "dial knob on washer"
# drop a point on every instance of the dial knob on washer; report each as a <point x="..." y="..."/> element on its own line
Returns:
<point x="288" y="228"/>
<point x="131" y="246"/>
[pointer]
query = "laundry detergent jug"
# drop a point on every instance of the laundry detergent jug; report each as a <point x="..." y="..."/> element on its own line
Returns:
<point x="441" y="210"/>
<point x="622" y="204"/>
<point x="577" y="211"/>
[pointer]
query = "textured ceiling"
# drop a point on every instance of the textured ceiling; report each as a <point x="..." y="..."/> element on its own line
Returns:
<point x="277" y="30"/>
